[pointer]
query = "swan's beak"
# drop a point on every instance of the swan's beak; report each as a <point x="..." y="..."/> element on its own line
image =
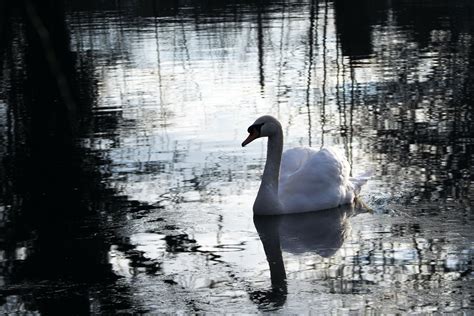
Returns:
<point x="253" y="135"/>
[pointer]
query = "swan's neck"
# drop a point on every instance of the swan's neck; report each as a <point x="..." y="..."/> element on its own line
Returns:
<point x="271" y="173"/>
<point x="267" y="201"/>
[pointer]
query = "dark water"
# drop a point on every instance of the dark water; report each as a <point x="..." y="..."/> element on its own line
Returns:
<point x="124" y="187"/>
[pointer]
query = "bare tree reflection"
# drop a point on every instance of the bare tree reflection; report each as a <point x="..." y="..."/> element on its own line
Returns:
<point x="325" y="73"/>
<point x="260" y="45"/>
<point x="51" y="188"/>
<point x="312" y="34"/>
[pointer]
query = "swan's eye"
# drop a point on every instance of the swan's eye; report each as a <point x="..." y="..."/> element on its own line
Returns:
<point x="255" y="127"/>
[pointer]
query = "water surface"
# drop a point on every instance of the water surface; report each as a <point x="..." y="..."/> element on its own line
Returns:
<point x="125" y="189"/>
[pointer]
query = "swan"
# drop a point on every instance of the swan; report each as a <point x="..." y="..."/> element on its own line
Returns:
<point x="301" y="179"/>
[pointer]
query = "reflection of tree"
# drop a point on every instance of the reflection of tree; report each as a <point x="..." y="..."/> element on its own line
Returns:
<point x="50" y="189"/>
<point x="311" y="38"/>
<point x="353" y="27"/>
<point x="432" y="123"/>
<point x="260" y="45"/>
<point x="325" y="73"/>
<point x="420" y="121"/>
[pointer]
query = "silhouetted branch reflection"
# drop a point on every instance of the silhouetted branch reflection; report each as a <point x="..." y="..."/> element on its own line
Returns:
<point x="260" y="45"/>
<point x="311" y="38"/>
<point x="52" y="190"/>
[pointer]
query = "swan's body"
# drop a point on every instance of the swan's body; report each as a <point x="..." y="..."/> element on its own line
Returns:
<point x="300" y="179"/>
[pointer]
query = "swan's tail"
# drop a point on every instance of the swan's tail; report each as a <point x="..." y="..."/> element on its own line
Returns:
<point x="360" y="180"/>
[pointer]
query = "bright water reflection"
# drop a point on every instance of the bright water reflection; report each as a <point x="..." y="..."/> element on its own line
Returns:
<point x="165" y="190"/>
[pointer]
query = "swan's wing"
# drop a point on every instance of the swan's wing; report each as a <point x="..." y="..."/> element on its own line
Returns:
<point x="313" y="180"/>
<point x="293" y="160"/>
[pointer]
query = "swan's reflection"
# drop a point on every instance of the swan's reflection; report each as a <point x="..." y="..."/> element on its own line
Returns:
<point x="322" y="232"/>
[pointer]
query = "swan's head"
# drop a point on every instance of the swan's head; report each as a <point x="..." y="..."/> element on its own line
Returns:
<point x="264" y="126"/>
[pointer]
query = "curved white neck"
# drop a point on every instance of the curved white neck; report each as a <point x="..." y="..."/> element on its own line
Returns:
<point x="267" y="201"/>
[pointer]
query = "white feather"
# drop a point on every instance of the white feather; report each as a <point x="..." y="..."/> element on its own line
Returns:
<point x="312" y="180"/>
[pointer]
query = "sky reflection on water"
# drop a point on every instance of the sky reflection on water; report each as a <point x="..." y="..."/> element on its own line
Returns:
<point x="151" y="196"/>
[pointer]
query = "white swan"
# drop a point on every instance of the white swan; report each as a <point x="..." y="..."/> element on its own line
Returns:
<point x="307" y="180"/>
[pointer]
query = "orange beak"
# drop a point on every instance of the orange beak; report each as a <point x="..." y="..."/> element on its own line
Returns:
<point x="253" y="135"/>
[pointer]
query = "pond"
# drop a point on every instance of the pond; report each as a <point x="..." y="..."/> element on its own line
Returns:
<point x="124" y="187"/>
